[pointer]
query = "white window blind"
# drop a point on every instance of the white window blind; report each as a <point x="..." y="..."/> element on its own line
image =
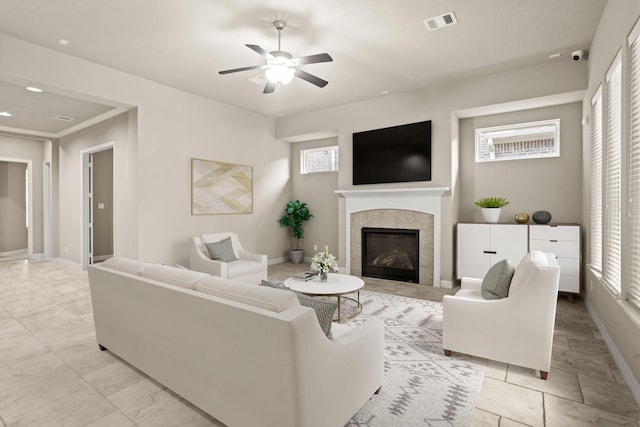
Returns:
<point x="596" y="181"/>
<point x="613" y="185"/>
<point x="633" y="282"/>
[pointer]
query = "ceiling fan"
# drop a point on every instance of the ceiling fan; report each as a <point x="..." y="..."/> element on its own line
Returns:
<point x="281" y="66"/>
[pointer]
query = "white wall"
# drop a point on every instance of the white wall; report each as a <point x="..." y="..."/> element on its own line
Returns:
<point x="622" y="323"/>
<point x="154" y="221"/>
<point x="440" y="105"/>
<point x="552" y="184"/>
<point x="317" y="190"/>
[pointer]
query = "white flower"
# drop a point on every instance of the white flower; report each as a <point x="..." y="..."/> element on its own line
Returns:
<point x="323" y="261"/>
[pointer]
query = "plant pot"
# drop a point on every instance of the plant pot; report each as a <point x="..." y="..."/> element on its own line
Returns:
<point x="491" y="215"/>
<point x="296" y="256"/>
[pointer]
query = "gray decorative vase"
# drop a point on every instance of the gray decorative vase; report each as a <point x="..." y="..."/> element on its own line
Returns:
<point x="541" y="217"/>
<point x="296" y="256"/>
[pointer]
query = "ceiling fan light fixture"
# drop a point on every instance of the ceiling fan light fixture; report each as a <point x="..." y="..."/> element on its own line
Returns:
<point x="280" y="70"/>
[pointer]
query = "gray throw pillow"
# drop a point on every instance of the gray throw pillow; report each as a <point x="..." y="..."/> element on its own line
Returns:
<point x="496" y="282"/>
<point x="222" y="250"/>
<point x="324" y="309"/>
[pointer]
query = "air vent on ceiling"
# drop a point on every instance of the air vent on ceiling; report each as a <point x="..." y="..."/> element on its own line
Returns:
<point x="64" y="118"/>
<point x="441" y="21"/>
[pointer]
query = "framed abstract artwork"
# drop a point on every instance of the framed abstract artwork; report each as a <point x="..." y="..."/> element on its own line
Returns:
<point x="220" y="188"/>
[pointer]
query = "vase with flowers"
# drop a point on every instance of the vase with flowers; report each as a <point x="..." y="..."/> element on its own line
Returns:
<point x="322" y="262"/>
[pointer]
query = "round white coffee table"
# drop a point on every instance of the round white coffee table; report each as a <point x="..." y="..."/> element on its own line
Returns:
<point x="337" y="285"/>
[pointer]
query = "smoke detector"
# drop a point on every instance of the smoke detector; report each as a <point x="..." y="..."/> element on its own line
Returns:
<point x="438" y="22"/>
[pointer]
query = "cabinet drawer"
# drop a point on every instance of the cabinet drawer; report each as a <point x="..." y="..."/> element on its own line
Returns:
<point x="569" y="266"/>
<point x="561" y="248"/>
<point x="560" y="232"/>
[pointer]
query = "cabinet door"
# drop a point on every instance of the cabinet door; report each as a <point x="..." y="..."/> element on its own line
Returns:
<point x="508" y="241"/>
<point x="473" y="241"/>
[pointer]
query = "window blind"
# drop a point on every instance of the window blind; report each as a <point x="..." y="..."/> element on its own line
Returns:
<point x="596" y="181"/>
<point x="613" y="185"/>
<point x="633" y="283"/>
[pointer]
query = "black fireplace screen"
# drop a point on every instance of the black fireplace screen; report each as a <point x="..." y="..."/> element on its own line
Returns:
<point x="390" y="253"/>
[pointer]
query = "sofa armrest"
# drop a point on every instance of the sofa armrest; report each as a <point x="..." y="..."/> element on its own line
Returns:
<point x="201" y="262"/>
<point x="471" y="283"/>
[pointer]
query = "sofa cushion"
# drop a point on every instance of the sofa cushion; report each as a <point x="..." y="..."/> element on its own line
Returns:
<point x="324" y="309"/>
<point x="496" y="282"/>
<point x="243" y="267"/>
<point x="130" y="266"/>
<point x="273" y="300"/>
<point x="525" y="270"/>
<point x="222" y="250"/>
<point x="173" y="275"/>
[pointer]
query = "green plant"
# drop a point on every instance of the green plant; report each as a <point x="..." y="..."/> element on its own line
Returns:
<point x="492" y="202"/>
<point x="295" y="213"/>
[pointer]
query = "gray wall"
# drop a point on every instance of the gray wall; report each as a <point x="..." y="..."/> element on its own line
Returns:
<point x="551" y="184"/>
<point x="13" y="206"/>
<point x="621" y="322"/>
<point x="317" y="190"/>
<point x="37" y="151"/>
<point x="103" y="195"/>
<point x="442" y="105"/>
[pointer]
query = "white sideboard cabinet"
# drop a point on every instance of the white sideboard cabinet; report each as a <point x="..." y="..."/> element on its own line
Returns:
<point x="482" y="245"/>
<point x="564" y="242"/>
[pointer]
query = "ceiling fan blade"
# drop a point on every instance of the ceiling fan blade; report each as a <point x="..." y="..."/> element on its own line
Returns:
<point x="313" y="59"/>
<point x="311" y="78"/>
<point x="269" y="87"/>
<point x="235" y="70"/>
<point x="259" y="50"/>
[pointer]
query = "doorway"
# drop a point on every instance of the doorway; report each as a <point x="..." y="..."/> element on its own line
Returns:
<point x="15" y="212"/>
<point x="98" y="204"/>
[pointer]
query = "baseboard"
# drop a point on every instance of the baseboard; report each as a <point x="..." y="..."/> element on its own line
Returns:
<point x="37" y="256"/>
<point x="12" y="253"/>
<point x="280" y="260"/>
<point x="626" y="372"/>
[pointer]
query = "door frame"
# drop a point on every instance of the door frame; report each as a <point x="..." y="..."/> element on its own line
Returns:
<point x="85" y="226"/>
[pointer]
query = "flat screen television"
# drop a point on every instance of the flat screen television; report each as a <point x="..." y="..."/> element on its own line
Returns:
<point x="395" y="154"/>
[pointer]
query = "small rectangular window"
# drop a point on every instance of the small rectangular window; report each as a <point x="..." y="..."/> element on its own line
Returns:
<point x="518" y="141"/>
<point x="323" y="159"/>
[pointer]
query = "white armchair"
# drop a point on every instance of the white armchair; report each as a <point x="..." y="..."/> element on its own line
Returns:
<point x="247" y="268"/>
<point x="517" y="329"/>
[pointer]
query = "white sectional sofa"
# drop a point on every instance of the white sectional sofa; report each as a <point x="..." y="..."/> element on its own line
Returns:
<point x="247" y="355"/>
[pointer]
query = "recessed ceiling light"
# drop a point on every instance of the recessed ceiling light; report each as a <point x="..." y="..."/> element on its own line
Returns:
<point x="34" y="89"/>
<point x="384" y="92"/>
<point x="5" y="114"/>
<point x="63" y="42"/>
<point x="555" y="55"/>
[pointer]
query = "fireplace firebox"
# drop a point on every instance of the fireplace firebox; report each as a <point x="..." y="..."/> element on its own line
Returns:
<point x="391" y="253"/>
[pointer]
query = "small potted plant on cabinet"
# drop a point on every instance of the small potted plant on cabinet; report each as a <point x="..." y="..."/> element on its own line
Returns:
<point x="491" y="207"/>
<point x="295" y="213"/>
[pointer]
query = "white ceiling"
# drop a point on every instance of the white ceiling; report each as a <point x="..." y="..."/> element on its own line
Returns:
<point x="376" y="45"/>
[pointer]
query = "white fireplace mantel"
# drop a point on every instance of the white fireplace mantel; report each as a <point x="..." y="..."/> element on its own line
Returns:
<point x="424" y="199"/>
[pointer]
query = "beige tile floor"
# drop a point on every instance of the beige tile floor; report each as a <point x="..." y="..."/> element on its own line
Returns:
<point x="52" y="373"/>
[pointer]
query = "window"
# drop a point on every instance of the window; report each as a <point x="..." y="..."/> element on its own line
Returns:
<point x="518" y="141"/>
<point x="612" y="232"/>
<point x="633" y="179"/>
<point x="596" y="181"/>
<point x="324" y="159"/>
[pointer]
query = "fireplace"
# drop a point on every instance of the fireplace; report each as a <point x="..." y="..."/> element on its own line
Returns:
<point x="391" y="253"/>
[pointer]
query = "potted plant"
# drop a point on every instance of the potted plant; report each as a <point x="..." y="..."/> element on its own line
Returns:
<point x="491" y="207"/>
<point x="295" y="213"/>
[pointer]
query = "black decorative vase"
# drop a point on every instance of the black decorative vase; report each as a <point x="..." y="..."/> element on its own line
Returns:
<point x="541" y="217"/>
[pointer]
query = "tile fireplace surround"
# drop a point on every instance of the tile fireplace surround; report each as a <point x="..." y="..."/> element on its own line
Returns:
<point x="377" y="205"/>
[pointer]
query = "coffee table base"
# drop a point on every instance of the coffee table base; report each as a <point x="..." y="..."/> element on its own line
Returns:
<point x="351" y="316"/>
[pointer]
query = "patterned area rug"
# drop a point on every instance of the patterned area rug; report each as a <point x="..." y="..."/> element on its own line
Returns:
<point x="422" y="387"/>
